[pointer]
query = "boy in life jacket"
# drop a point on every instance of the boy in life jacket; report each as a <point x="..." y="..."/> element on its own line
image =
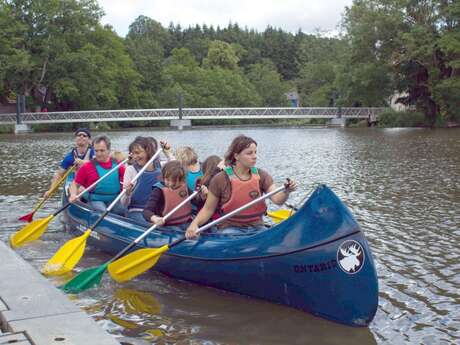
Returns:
<point x="167" y="195"/>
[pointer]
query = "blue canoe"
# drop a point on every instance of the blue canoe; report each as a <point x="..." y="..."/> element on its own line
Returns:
<point x="318" y="260"/>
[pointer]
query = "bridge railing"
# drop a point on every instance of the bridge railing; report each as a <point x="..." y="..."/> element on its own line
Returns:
<point x="192" y="113"/>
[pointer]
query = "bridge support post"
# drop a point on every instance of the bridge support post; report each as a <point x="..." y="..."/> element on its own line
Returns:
<point x="21" y="128"/>
<point x="337" y="122"/>
<point x="180" y="124"/>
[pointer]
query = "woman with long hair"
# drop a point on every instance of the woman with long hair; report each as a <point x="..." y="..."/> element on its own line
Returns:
<point x="239" y="183"/>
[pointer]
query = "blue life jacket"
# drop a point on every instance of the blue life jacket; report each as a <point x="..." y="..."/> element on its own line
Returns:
<point x="109" y="188"/>
<point x="143" y="187"/>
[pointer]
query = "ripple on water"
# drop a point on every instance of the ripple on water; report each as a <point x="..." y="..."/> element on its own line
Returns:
<point x="401" y="185"/>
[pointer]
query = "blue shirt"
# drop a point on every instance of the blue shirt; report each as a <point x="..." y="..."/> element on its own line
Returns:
<point x="69" y="158"/>
<point x="191" y="178"/>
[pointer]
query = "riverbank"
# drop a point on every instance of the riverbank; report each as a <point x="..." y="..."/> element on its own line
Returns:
<point x="32" y="311"/>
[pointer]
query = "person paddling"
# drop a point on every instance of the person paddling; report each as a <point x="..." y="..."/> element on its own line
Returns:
<point x="167" y="195"/>
<point x="239" y="183"/>
<point x="80" y="154"/>
<point x="137" y="194"/>
<point x="107" y="190"/>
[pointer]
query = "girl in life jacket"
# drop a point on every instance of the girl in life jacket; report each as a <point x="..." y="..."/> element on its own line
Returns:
<point x="167" y="195"/>
<point x="137" y="193"/>
<point x="239" y="183"/>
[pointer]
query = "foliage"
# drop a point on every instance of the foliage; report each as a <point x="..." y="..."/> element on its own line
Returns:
<point x="401" y="119"/>
<point x="268" y="84"/>
<point x="59" y="55"/>
<point x="408" y="46"/>
<point x="57" y="51"/>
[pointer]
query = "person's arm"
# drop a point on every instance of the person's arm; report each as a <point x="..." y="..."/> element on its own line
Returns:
<point x="167" y="151"/>
<point x="129" y="175"/>
<point x="203" y="216"/>
<point x="154" y="206"/>
<point x="281" y="197"/>
<point x="73" y="189"/>
<point x="56" y="177"/>
<point x="78" y="182"/>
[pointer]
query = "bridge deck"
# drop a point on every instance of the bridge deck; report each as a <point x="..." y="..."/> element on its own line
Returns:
<point x="193" y="113"/>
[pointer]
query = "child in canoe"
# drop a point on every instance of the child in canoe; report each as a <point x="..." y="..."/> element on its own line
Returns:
<point x="166" y="195"/>
<point x="211" y="167"/>
<point x="189" y="159"/>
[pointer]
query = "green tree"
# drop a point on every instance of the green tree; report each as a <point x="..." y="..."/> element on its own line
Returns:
<point x="146" y="42"/>
<point x="268" y="84"/>
<point x="59" y="48"/>
<point x="417" y="43"/>
<point x="221" y="54"/>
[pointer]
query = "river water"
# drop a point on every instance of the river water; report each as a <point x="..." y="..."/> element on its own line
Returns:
<point x="402" y="185"/>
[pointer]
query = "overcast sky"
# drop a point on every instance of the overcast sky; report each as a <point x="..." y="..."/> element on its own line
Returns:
<point x="289" y="15"/>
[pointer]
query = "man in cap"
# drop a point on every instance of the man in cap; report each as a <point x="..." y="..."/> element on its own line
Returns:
<point x="79" y="155"/>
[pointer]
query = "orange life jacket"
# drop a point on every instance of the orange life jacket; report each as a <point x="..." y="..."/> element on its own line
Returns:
<point x="174" y="197"/>
<point x="244" y="192"/>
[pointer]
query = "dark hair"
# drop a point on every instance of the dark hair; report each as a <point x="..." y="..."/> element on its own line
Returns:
<point x="174" y="171"/>
<point x="238" y="144"/>
<point x="102" y="138"/>
<point x="148" y="144"/>
<point x="210" y="169"/>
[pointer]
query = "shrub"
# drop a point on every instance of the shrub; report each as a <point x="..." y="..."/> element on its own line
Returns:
<point x="394" y="118"/>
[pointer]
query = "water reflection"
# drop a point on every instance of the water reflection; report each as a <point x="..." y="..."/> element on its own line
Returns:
<point x="401" y="185"/>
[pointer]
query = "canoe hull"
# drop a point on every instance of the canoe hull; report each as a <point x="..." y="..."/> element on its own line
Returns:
<point x="318" y="260"/>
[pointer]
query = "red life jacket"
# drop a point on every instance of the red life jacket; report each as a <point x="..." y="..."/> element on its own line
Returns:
<point x="174" y="197"/>
<point x="242" y="193"/>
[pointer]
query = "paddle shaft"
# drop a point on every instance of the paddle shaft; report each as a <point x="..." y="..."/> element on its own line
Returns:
<point x="90" y="187"/>
<point x="55" y="187"/>
<point x="153" y="227"/>
<point x="228" y="215"/>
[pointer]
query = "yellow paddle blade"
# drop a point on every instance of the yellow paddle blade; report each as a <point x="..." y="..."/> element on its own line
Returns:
<point x="30" y="232"/>
<point x="67" y="257"/>
<point x="137" y="301"/>
<point x="280" y="215"/>
<point x="131" y="265"/>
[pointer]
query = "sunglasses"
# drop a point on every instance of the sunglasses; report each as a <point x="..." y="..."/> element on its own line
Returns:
<point x="81" y="135"/>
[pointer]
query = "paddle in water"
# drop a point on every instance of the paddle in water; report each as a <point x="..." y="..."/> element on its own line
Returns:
<point x="29" y="216"/>
<point x="141" y="260"/>
<point x="67" y="257"/>
<point x="35" y="229"/>
<point x="92" y="276"/>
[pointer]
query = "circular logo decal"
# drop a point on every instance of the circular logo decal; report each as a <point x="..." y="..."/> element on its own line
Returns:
<point x="350" y="257"/>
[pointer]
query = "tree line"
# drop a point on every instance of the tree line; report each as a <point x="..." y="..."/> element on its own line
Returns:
<point x="59" y="54"/>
